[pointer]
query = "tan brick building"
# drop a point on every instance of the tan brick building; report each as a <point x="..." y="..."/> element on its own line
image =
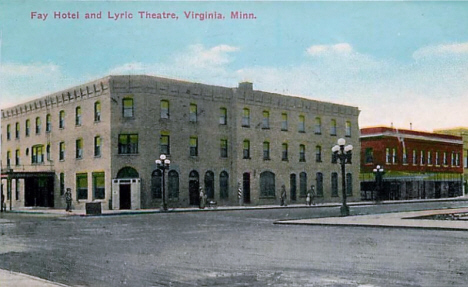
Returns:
<point x="102" y="139"/>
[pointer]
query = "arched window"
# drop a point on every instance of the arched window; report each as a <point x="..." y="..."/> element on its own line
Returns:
<point x="62" y="119"/>
<point x="267" y="184"/>
<point x="293" y="186"/>
<point x="78" y="116"/>
<point x="156" y="184"/>
<point x="8" y="132"/>
<point x="224" y="185"/>
<point x="17" y="130"/>
<point x="209" y="184"/>
<point x="173" y="184"/>
<point x="48" y="123"/>
<point x="38" y="125"/>
<point x="128" y="172"/>
<point x="194" y="186"/>
<point x="349" y="184"/>
<point x="303" y="184"/>
<point x="319" y="184"/>
<point x="246" y="117"/>
<point x="97" y="111"/>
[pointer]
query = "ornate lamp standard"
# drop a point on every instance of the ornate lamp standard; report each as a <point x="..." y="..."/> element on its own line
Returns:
<point x="342" y="153"/>
<point x="162" y="164"/>
<point x="378" y="172"/>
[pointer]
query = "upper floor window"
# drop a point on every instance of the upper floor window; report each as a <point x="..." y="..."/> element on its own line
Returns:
<point x="79" y="148"/>
<point x="266" y="120"/>
<point x="97" y="111"/>
<point x="8" y="133"/>
<point x="318" y="125"/>
<point x="246" y="149"/>
<point x="48" y="123"/>
<point x="78" y="116"/>
<point x="333" y="127"/>
<point x="37" y="154"/>
<point x="62" y="119"/>
<point x="302" y="151"/>
<point x="193" y="146"/>
<point x="429" y="158"/>
<point x="453" y="159"/>
<point x="48" y="152"/>
<point x="266" y="150"/>
<point x="457" y="159"/>
<point x="437" y="159"/>
<point x="17" y="130"/>
<point x="97" y="146"/>
<point x="27" y="129"/>
<point x="405" y="155"/>
<point x="128" y="108"/>
<point x="369" y="156"/>
<point x="388" y="156"/>
<point x="38" y="125"/>
<point x="348" y="129"/>
<point x="164" y="109"/>
<point x="17" y="157"/>
<point x="164" y="143"/>
<point x="62" y="151"/>
<point x="445" y="159"/>
<point x="284" y="154"/>
<point x="318" y="153"/>
<point x="224" y="148"/>
<point x="284" y="121"/>
<point x="8" y="158"/>
<point x="128" y="144"/>
<point x="246" y="117"/>
<point x="394" y="155"/>
<point x="301" y="125"/>
<point x="193" y="113"/>
<point x="222" y="116"/>
<point x="423" y="158"/>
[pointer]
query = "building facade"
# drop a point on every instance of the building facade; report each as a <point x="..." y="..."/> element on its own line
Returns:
<point x="416" y="164"/>
<point x="102" y="139"/>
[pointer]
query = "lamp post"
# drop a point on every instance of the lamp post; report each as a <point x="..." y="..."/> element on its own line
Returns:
<point x="378" y="172"/>
<point x="162" y="164"/>
<point x="344" y="155"/>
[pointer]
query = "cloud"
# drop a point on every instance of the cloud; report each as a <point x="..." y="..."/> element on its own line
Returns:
<point x="341" y="48"/>
<point x="456" y="49"/>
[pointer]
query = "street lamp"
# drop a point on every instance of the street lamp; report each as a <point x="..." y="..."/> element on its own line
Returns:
<point x="162" y="164"/>
<point x="344" y="154"/>
<point x="378" y="172"/>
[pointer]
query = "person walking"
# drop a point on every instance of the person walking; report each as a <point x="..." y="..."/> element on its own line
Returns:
<point x="68" y="200"/>
<point x="308" y="199"/>
<point x="283" y="195"/>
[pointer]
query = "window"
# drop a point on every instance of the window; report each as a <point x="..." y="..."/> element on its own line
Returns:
<point x="48" y="151"/>
<point x="62" y="119"/>
<point x="128" y="144"/>
<point x="127" y="108"/>
<point x="318" y="153"/>
<point x="405" y="155"/>
<point x="465" y="159"/>
<point x="164" y="109"/>
<point x="8" y="158"/>
<point x="48" y="123"/>
<point x="17" y="130"/>
<point x="266" y="120"/>
<point x="223" y="116"/>
<point x="348" y="129"/>
<point x="333" y="127"/>
<point x="81" y="186"/>
<point x="97" y="146"/>
<point x="267" y="184"/>
<point x="369" y="156"/>
<point x="62" y="183"/>
<point x="224" y="185"/>
<point x="79" y="148"/>
<point x="164" y="143"/>
<point x="17" y="157"/>
<point x="62" y="151"/>
<point x="457" y="159"/>
<point x="302" y="157"/>
<point x="284" y="154"/>
<point x="453" y="159"/>
<point x="318" y="126"/>
<point x="78" y="116"/>
<point x="284" y="121"/>
<point x="246" y="117"/>
<point x="415" y="157"/>
<point x="246" y="149"/>
<point x="303" y="184"/>
<point x="193" y="146"/>
<point x="429" y="158"/>
<point x="394" y="156"/>
<point x="423" y="158"/>
<point x="193" y="113"/>
<point x="97" y="111"/>
<point x="38" y="125"/>
<point x="27" y="129"/>
<point x="37" y="154"/>
<point x="223" y="148"/>
<point x="99" y="186"/>
<point x="156" y="184"/>
<point x="437" y="160"/>
<point x="173" y="184"/>
<point x="301" y="126"/>
<point x="8" y="132"/>
<point x="349" y="184"/>
<point x="387" y="155"/>
<point x="319" y="184"/>
<point x="266" y="150"/>
<point x="445" y="159"/>
<point x="334" y="184"/>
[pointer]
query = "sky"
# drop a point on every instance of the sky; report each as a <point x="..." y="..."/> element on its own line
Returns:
<point x="400" y="63"/>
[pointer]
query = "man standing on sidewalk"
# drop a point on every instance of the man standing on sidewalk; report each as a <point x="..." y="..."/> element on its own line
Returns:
<point x="68" y="199"/>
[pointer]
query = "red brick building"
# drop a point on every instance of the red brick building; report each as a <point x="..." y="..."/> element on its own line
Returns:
<point x="416" y="164"/>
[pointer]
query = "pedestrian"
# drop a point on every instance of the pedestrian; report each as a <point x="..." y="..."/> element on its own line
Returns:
<point x="283" y="195"/>
<point x="312" y="194"/>
<point x="68" y="199"/>
<point x="240" y="194"/>
<point x="3" y="207"/>
<point x="308" y="199"/>
<point x="202" y="198"/>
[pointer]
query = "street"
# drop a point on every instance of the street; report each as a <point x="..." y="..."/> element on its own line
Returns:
<point x="232" y="248"/>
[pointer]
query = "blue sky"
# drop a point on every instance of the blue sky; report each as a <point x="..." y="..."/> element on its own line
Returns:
<point x="399" y="62"/>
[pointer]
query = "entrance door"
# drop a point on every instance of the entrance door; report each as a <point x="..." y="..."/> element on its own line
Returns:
<point x="39" y="191"/>
<point x="246" y="187"/>
<point x="194" y="185"/>
<point x="125" y="197"/>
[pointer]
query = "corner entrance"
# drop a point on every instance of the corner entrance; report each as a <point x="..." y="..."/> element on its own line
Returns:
<point x="126" y="189"/>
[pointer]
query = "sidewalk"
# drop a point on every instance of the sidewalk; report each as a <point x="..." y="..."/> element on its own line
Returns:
<point x="14" y="279"/>
<point x="105" y="212"/>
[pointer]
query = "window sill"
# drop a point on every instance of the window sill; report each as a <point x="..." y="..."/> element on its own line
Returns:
<point x="128" y="154"/>
<point x="284" y="130"/>
<point x="318" y="133"/>
<point x="245" y="126"/>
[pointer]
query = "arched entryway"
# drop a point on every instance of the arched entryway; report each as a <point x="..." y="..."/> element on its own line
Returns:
<point x="246" y="187"/>
<point x="224" y="185"/>
<point x="267" y="184"/>
<point x="126" y="189"/>
<point x="156" y="184"/>
<point x="194" y="185"/>
<point x="209" y="184"/>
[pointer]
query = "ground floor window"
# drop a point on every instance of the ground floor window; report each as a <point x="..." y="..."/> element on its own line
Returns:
<point x="82" y="186"/>
<point x="319" y="184"/>
<point x="99" y="186"/>
<point x="173" y="184"/>
<point x="349" y="184"/>
<point x="303" y="184"/>
<point x="267" y="184"/>
<point x="334" y="184"/>
<point x="156" y="182"/>
<point x="224" y="185"/>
